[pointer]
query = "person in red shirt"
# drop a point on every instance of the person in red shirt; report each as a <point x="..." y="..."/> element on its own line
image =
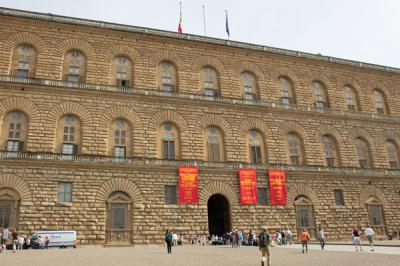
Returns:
<point x="304" y="237"/>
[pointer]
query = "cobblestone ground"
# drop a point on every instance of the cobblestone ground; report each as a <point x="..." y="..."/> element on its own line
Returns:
<point x="195" y="255"/>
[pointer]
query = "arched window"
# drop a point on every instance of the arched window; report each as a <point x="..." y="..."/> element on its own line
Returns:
<point x="167" y="77"/>
<point x="214" y="140"/>
<point x="9" y="208"/>
<point x="209" y="81"/>
<point x="15" y="132"/>
<point x="295" y="147"/>
<point x="392" y="154"/>
<point x="74" y="69"/>
<point x="249" y="84"/>
<point x="122" y="71"/>
<point x="351" y="99"/>
<point x="376" y="218"/>
<point x="304" y="215"/>
<point x="119" y="218"/>
<point x="120" y="139"/>
<point x="287" y="93"/>
<point x="363" y="153"/>
<point x="169" y="142"/>
<point x="68" y="135"/>
<point x="321" y="100"/>
<point x="380" y="102"/>
<point x="24" y="61"/>
<point x="256" y="152"/>
<point x="331" y="151"/>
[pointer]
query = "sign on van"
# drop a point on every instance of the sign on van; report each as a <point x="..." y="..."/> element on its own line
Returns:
<point x="57" y="238"/>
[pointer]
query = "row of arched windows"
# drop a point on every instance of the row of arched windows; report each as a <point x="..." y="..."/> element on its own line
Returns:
<point x="69" y="139"/>
<point x="74" y="70"/>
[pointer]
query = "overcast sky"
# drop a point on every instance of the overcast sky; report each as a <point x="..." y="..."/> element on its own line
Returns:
<point x="362" y="30"/>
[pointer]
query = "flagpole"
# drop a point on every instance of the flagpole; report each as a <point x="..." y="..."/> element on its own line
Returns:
<point x="227" y="24"/>
<point x="180" y="18"/>
<point x="204" y="22"/>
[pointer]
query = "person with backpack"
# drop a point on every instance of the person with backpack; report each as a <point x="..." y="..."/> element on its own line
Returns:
<point x="168" y="240"/>
<point x="304" y="237"/>
<point x="263" y="240"/>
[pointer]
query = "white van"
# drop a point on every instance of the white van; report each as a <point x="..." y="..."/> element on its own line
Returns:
<point x="60" y="239"/>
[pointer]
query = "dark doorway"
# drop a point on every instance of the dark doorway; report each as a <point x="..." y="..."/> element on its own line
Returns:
<point x="219" y="218"/>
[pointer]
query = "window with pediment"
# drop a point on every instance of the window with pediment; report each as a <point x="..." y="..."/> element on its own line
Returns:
<point x="304" y="215"/>
<point x="375" y="214"/>
<point x="249" y="85"/>
<point x="214" y="143"/>
<point x="9" y="208"/>
<point x="209" y="81"/>
<point x="15" y="132"/>
<point x="74" y="69"/>
<point x="24" y="61"/>
<point x="287" y="92"/>
<point x="169" y="142"/>
<point x="295" y="148"/>
<point x="122" y="71"/>
<point x="363" y="153"/>
<point x="320" y="95"/>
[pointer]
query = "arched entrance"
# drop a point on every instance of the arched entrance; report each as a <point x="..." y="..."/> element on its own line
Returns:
<point x="119" y="217"/>
<point x="9" y="208"/>
<point x="304" y="215"/>
<point x="219" y="215"/>
<point x="376" y="218"/>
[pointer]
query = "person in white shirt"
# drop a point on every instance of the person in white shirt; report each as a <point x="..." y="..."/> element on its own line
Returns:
<point x="369" y="232"/>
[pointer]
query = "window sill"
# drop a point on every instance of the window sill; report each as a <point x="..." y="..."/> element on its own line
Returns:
<point x="64" y="204"/>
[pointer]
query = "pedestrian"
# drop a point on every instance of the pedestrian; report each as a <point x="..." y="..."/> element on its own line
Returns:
<point x="251" y="238"/>
<point x="168" y="240"/>
<point x="46" y="242"/>
<point x="289" y="236"/>
<point x="369" y="232"/>
<point x="4" y="237"/>
<point x="321" y="237"/>
<point x="356" y="239"/>
<point x="175" y="239"/>
<point x="304" y="237"/>
<point x="21" y="241"/>
<point x="263" y="243"/>
<point x="15" y="240"/>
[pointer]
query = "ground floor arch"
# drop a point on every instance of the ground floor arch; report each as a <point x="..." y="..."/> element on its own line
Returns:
<point x="10" y="202"/>
<point x="375" y="215"/>
<point x="305" y="219"/>
<point x="119" y="218"/>
<point x="219" y="215"/>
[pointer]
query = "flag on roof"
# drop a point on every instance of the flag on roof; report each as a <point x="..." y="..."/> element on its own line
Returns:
<point x="227" y="24"/>
<point x="180" y="18"/>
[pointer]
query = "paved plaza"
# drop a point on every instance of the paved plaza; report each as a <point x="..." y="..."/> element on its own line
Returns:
<point x="338" y="255"/>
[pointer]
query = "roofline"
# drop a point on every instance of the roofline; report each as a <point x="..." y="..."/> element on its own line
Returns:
<point x="191" y="37"/>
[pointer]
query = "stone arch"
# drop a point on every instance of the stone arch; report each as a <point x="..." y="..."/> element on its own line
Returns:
<point x="213" y="120"/>
<point x="165" y="55"/>
<point x="323" y="130"/>
<point x="202" y="61"/>
<point x="119" y="184"/>
<point x="124" y="50"/>
<point x="390" y="135"/>
<point x="255" y="123"/>
<point x="18" y="184"/>
<point x="167" y="116"/>
<point x="21" y="104"/>
<point x="321" y="77"/>
<point x="343" y="81"/>
<point x="244" y="66"/>
<point x="290" y="126"/>
<point x="122" y="112"/>
<point x="25" y="37"/>
<point x="301" y="189"/>
<point x="79" y="44"/>
<point x="369" y="191"/>
<point x="372" y="84"/>
<point x="356" y="132"/>
<point x="217" y="187"/>
<point x="281" y="71"/>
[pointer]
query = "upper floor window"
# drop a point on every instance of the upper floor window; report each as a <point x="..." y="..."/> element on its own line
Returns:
<point x="331" y="152"/>
<point x="68" y="138"/>
<point x="321" y="100"/>
<point x="167" y="77"/>
<point x="351" y="99"/>
<point x="380" y="102"/>
<point x="255" y="146"/>
<point x="392" y="154"/>
<point x="363" y="153"/>
<point x="287" y="93"/>
<point x="295" y="147"/>
<point x="122" y="71"/>
<point x="120" y="138"/>
<point x="169" y="142"/>
<point x="209" y="81"/>
<point x="249" y="85"/>
<point x="15" y="131"/>
<point x="24" y="61"/>
<point x="214" y="140"/>
<point x="74" y="69"/>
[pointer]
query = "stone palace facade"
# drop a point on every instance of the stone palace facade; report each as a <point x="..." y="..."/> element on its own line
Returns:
<point x="97" y="117"/>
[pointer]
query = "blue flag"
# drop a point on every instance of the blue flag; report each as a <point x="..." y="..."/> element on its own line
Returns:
<point x="227" y="24"/>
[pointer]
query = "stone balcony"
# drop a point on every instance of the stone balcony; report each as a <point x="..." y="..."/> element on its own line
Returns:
<point x="152" y="92"/>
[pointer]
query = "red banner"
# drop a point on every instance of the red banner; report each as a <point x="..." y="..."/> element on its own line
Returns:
<point x="188" y="185"/>
<point x="248" y="186"/>
<point x="277" y="187"/>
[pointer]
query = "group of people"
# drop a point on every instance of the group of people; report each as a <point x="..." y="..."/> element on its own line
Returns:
<point x="283" y="237"/>
<point x="11" y="236"/>
<point x="356" y="235"/>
